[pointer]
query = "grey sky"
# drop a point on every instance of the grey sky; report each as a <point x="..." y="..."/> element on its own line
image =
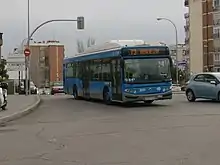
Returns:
<point x="105" y="20"/>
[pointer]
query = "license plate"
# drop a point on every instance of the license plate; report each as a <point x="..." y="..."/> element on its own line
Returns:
<point x="159" y="96"/>
<point x="149" y="98"/>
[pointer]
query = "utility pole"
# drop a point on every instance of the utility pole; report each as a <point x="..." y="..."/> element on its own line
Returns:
<point x="27" y="58"/>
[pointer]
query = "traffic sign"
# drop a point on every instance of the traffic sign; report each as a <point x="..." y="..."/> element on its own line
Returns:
<point x="27" y="52"/>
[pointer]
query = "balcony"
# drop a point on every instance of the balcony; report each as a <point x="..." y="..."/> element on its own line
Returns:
<point x="186" y="15"/>
<point x="186" y="3"/>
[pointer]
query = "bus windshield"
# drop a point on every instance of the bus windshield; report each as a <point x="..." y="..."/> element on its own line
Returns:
<point x="147" y="70"/>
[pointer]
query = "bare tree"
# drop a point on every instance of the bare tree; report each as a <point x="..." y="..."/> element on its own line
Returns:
<point x="81" y="47"/>
<point x="90" y="42"/>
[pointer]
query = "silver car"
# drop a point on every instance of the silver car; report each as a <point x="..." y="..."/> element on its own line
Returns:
<point x="204" y="85"/>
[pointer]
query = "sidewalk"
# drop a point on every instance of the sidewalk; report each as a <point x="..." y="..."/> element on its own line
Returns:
<point x="18" y="106"/>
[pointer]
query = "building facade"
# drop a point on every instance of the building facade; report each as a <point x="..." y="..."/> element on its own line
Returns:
<point x="187" y="34"/>
<point x="203" y="35"/>
<point x="46" y="64"/>
<point x="182" y="57"/>
<point x="216" y="34"/>
<point x="16" y="65"/>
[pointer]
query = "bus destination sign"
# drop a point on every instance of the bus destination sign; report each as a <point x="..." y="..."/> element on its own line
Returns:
<point x="146" y="51"/>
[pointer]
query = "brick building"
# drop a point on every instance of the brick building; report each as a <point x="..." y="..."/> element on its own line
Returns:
<point x="46" y="62"/>
<point x="204" y="34"/>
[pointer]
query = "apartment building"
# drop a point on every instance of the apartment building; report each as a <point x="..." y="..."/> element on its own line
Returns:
<point x="15" y="64"/>
<point x="46" y="62"/>
<point x="179" y="55"/>
<point x="187" y="34"/>
<point x="204" y="36"/>
<point x="216" y="34"/>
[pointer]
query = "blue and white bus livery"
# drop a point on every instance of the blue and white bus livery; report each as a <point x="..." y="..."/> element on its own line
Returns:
<point x="120" y="71"/>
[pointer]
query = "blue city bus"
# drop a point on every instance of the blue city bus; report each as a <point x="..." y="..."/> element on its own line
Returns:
<point x="120" y="71"/>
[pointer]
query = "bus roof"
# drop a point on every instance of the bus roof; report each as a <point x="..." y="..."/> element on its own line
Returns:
<point x="113" y="45"/>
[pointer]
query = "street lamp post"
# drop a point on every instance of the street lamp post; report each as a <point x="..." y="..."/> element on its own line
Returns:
<point x="80" y="26"/>
<point x="176" y="34"/>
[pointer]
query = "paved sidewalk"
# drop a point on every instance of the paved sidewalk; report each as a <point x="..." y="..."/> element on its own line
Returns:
<point x="18" y="104"/>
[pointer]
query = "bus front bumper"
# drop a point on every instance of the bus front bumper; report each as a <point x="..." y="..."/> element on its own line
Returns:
<point x="157" y="96"/>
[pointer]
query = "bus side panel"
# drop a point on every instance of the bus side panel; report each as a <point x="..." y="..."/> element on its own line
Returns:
<point x="79" y="86"/>
<point x="69" y="84"/>
<point x="96" y="89"/>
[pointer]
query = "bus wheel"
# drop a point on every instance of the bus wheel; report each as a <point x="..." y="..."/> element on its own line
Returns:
<point x="75" y="93"/>
<point x="106" y="97"/>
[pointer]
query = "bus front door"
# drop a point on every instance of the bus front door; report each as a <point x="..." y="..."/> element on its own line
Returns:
<point x="116" y="80"/>
<point x="85" y="80"/>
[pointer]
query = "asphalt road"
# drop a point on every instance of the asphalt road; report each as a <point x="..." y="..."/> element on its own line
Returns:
<point x="68" y="132"/>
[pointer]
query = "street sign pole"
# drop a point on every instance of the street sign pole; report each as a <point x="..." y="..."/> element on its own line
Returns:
<point x="27" y="53"/>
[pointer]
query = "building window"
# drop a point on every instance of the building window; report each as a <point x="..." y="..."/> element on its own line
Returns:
<point x="216" y="3"/>
<point x="216" y="33"/>
<point x="217" y="57"/>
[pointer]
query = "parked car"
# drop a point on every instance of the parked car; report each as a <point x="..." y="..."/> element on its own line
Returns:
<point x="204" y="85"/>
<point x="33" y="88"/>
<point x="57" y="87"/>
<point x="176" y="88"/>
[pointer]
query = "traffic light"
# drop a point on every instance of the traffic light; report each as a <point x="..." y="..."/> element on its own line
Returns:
<point x="1" y="39"/>
<point x="80" y="23"/>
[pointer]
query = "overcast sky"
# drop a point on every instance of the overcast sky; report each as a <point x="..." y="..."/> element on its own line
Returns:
<point x="105" y="20"/>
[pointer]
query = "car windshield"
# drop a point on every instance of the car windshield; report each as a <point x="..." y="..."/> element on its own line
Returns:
<point x="58" y="83"/>
<point x="218" y="76"/>
<point x="147" y="70"/>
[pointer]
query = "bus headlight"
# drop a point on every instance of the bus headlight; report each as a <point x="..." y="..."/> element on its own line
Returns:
<point x="130" y="90"/>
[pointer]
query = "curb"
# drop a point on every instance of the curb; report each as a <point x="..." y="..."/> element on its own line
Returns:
<point x="22" y="113"/>
<point x="181" y="92"/>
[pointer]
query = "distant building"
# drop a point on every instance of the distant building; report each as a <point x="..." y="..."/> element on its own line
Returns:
<point x="204" y="39"/>
<point x="187" y="34"/>
<point x="46" y="63"/>
<point x="15" y="63"/>
<point x="183" y="58"/>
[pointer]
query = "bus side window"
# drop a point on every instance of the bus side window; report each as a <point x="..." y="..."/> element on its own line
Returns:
<point x="106" y="70"/>
<point x="97" y="71"/>
<point x="80" y="71"/>
<point x="94" y="76"/>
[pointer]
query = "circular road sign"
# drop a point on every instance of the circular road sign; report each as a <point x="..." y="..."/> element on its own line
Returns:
<point x="27" y="52"/>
